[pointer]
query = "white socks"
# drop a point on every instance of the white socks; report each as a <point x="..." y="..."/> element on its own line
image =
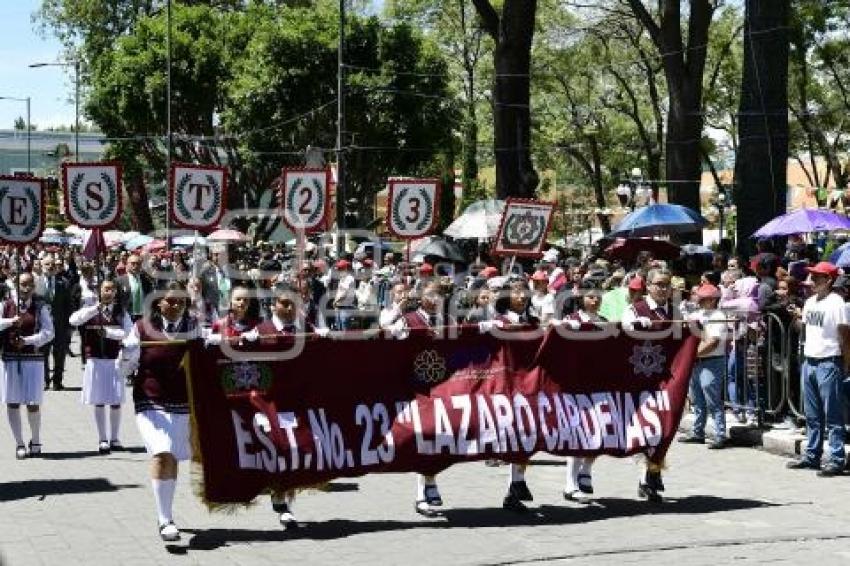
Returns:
<point x="163" y="494"/>
<point x="100" y="421"/>
<point x="517" y="472"/>
<point x="34" y="418"/>
<point x="421" y="483"/>
<point x="15" y="424"/>
<point x="114" y="422"/>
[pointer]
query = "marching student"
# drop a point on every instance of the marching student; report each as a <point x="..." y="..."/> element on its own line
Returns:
<point x="160" y="396"/>
<point x="25" y="328"/>
<point x="286" y="320"/>
<point x="428" y="315"/>
<point x="103" y="326"/>
<point x="652" y="312"/>
<point x="579" y="483"/>
<point x="242" y="318"/>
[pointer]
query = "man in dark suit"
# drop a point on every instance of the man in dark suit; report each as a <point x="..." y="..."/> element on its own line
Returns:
<point x="216" y="282"/>
<point x="57" y="294"/>
<point x="133" y="287"/>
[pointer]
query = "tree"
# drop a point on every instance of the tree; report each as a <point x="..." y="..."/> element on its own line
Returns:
<point x="760" y="167"/>
<point x="454" y="26"/>
<point x="684" y="64"/>
<point x="20" y="123"/>
<point x="512" y="31"/>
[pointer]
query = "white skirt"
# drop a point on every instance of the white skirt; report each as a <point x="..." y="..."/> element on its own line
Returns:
<point x="102" y="384"/>
<point x="22" y="382"/>
<point x="165" y="432"/>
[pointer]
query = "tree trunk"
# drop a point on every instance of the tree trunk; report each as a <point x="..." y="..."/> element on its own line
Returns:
<point x="684" y="134"/>
<point x="512" y="32"/>
<point x="137" y="194"/>
<point x="761" y="164"/>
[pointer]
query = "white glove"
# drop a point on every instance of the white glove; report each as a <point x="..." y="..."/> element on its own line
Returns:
<point x="212" y="339"/>
<point x="322" y="332"/>
<point x="114" y="333"/>
<point x="8" y="322"/>
<point x="125" y="367"/>
<point x="643" y="321"/>
<point x="487" y="325"/>
<point x="572" y="324"/>
<point x="250" y="336"/>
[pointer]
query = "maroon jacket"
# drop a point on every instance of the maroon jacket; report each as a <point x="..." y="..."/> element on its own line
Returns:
<point x="160" y="383"/>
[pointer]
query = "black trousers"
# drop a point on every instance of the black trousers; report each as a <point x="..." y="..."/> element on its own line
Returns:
<point x="59" y="349"/>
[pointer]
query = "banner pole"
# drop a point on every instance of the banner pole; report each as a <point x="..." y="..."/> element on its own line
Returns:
<point x="511" y="266"/>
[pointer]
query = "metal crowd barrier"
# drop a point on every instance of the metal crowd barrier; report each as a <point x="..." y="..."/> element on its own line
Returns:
<point x="762" y="377"/>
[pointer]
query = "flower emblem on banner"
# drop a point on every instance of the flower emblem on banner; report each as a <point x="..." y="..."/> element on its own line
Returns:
<point x="525" y="228"/>
<point x="429" y="366"/>
<point x="648" y="359"/>
<point x="245" y="376"/>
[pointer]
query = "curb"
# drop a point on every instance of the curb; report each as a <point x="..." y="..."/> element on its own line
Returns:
<point x="781" y="442"/>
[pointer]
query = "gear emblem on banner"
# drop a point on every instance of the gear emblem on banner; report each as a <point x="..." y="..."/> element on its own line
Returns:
<point x="429" y="366"/>
<point x="648" y="359"/>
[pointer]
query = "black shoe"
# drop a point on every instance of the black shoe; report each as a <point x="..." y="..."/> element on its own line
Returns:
<point x="168" y="532"/>
<point x="46" y="385"/>
<point x="830" y="471"/>
<point x="432" y="496"/>
<point x="649" y="493"/>
<point x="719" y="444"/>
<point x="285" y="516"/>
<point x="801" y="464"/>
<point x="21" y="453"/>
<point x="422" y="507"/>
<point x="103" y="448"/>
<point x="585" y="483"/>
<point x="691" y="440"/>
<point x="57" y="386"/>
<point x="512" y="503"/>
<point x="34" y="449"/>
<point x="653" y="480"/>
<point x="116" y="446"/>
<point x="519" y="489"/>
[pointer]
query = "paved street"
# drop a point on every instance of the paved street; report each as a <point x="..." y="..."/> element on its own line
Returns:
<point x="75" y="507"/>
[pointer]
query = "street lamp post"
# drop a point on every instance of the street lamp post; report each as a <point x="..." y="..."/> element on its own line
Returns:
<point x="76" y="65"/>
<point x="29" y="128"/>
<point x="721" y="201"/>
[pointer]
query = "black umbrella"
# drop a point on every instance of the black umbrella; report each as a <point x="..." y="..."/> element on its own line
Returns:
<point x="442" y="249"/>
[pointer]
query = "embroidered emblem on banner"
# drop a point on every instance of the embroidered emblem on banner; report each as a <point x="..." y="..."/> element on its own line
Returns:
<point x="22" y="207"/>
<point x="648" y="359"/>
<point x="429" y="367"/>
<point x="245" y="376"/>
<point x="92" y="193"/>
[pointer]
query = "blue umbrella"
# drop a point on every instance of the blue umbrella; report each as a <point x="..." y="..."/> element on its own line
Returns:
<point x="137" y="241"/>
<point x="659" y="219"/>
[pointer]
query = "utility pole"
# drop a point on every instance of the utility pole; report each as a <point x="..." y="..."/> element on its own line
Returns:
<point x="340" y="132"/>
<point x="169" y="141"/>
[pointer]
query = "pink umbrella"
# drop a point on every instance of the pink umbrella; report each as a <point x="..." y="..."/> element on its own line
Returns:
<point x="154" y="246"/>
<point x="227" y="235"/>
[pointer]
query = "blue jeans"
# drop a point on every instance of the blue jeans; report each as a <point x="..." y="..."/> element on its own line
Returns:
<point x="822" y="404"/>
<point x="707" y="395"/>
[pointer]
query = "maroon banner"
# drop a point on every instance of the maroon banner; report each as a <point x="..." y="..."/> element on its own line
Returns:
<point x="344" y="408"/>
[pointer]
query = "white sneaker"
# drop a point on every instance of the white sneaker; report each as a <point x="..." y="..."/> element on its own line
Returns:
<point x="577" y="496"/>
<point x="168" y="532"/>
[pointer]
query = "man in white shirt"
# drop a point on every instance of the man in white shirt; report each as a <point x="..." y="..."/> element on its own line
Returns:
<point x="345" y="298"/>
<point x="826" y="353"/>
<point x="707" y="376"/>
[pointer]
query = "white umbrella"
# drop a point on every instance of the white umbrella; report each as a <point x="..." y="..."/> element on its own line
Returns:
<point x="51" y="232"/>
<point x="74" y="230"/>
<point x="189" y="241"/>
<point x="227" y="235"/>
<point x="480" y="220"/>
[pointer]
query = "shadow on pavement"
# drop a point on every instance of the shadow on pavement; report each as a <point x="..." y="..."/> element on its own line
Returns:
<point x="13" y="491"/>
<point x="601" y="509"/>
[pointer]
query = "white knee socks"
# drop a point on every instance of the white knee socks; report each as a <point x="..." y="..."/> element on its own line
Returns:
<point x="14" y="415"/>
<point x="163" y="494"/>
<point x="421" y="483"/>
<point x="34" y="418"/>
<point x="517" y="472"/>
<point x="114" y="422"/>
<point x="100" y="421"/>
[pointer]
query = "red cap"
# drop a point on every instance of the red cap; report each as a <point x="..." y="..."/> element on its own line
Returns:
<point x="343" y="264"/>
<point x="426" y="268"/>
<point x="824" y="268"/>
<point x="636" y="284"/>
<point x="368" y="262"/>
<point x="489" y="272"/>
<point x="540" y="276"/>
<point x="708" y="291"/>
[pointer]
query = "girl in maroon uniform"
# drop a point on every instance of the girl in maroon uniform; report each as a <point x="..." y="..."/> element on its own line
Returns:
<point x="103" y="326"/>
<point x="242" y="319"/>
<point x="160" y="396"/>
